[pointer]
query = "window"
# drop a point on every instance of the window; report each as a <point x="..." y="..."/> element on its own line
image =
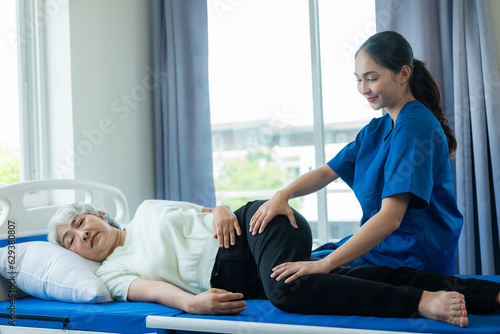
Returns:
<point x="10" y="154"/>
<point x="264" y="108"/>
<point x="343" y="26"/>
<point x="20" y="56"/>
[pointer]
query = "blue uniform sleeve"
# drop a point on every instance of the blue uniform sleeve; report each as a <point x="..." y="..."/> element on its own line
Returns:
<point x="413" y="158"/>
<point x="344" y="162"/>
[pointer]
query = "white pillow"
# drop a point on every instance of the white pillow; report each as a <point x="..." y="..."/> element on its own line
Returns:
<point x="51" y="272"/>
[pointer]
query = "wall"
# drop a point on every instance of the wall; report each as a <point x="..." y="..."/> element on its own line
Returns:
<point x="106" y="82"/>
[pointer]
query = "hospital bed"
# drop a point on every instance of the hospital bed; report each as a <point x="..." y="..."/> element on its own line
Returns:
<point x="24" y="226"/>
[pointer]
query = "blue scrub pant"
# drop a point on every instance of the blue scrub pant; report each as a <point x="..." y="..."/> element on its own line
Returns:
<point x="366" y="291"/>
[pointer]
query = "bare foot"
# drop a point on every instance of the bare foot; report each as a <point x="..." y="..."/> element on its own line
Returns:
<point x="497" y="301"/>
<point x="447" y="306"/>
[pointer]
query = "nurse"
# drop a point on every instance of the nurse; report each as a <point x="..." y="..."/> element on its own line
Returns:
<point x="398" y="167"/>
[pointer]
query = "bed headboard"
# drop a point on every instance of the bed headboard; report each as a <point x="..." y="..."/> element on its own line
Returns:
<point x="31" y="221"/>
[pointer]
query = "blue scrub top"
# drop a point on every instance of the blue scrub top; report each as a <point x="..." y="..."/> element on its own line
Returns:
<point x="412" y="157"/>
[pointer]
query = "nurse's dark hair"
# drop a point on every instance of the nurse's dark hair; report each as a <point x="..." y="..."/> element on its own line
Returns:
<point x="391" y="50"/>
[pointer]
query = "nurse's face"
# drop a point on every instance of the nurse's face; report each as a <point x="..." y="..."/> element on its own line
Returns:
<point x="379" y="85"/>
<point x="89" y="236"/>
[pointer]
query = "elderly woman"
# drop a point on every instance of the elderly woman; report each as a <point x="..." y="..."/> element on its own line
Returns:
<point x="205" y="261"/>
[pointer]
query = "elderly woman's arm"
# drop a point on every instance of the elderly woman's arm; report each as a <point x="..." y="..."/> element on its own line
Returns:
<point x="213" y="301"/>
<point x="226" y="225"/>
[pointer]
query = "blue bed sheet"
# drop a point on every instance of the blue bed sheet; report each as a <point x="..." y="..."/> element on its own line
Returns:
<point x="113" y="317"/>
<point x="121" y="317"/>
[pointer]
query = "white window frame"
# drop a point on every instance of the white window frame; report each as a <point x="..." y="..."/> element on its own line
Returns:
<point x="30" y="43"/>
<point x="319" y="142"/>
<point x="32" y="96"/>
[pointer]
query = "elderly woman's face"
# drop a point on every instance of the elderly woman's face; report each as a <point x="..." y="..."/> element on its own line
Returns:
<point x="89" y="236"/>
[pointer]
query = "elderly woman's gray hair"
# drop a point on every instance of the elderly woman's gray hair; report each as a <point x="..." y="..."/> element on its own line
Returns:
<point x="67" y="213"/>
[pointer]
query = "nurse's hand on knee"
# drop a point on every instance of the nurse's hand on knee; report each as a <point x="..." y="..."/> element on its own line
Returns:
<point x="267" y="211"/>
<point x="290" y="271"/>
<point x="217" y="301"/>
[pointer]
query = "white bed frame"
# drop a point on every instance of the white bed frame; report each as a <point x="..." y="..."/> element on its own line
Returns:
<point x="32" y="221"/>
<point x="239" y="327"/>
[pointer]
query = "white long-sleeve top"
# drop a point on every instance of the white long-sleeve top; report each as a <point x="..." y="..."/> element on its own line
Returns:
<point x="166" y="241"/>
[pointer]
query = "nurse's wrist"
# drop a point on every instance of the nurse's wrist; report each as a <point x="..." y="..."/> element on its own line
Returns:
<point x="326" y="268"/>
<point x="283" y="194"/>
<point x="331" y="262"/>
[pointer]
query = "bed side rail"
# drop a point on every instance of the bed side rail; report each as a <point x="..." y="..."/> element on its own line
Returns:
<point x="17" y="220"/>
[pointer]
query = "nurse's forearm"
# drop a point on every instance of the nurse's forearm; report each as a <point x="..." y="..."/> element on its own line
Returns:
<point x="310" y="182"/>
<point x="374" y="231"/>
<point x="365" y="239"/>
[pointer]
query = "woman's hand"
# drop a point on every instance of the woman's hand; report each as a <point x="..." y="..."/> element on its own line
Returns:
<point x="225" y="225"/>
<point x="213" y="301"/>
<point x="277" y="205"/>
<point x="294" y="270"/>
<point x="216" y="301"/>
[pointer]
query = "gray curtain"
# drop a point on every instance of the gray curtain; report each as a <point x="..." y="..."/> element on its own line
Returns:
<point x="455" y="39"/>
<point x="183" y="142"/>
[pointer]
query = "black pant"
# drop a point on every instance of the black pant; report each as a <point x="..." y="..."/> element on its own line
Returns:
<point x="368" y="291"/>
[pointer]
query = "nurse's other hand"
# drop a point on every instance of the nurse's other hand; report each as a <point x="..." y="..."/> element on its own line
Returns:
<point x="216" y="301"/>
<point x="294" y="270"/>
<point x="226" y="226"/>
<point x="277" y="205"/>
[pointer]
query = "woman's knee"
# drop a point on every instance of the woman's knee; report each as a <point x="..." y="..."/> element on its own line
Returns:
<point x="280" y="295"/>
<point x="311" y="294"/>
<point x="246" y="212"/>
<point x="291" y="297"/>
